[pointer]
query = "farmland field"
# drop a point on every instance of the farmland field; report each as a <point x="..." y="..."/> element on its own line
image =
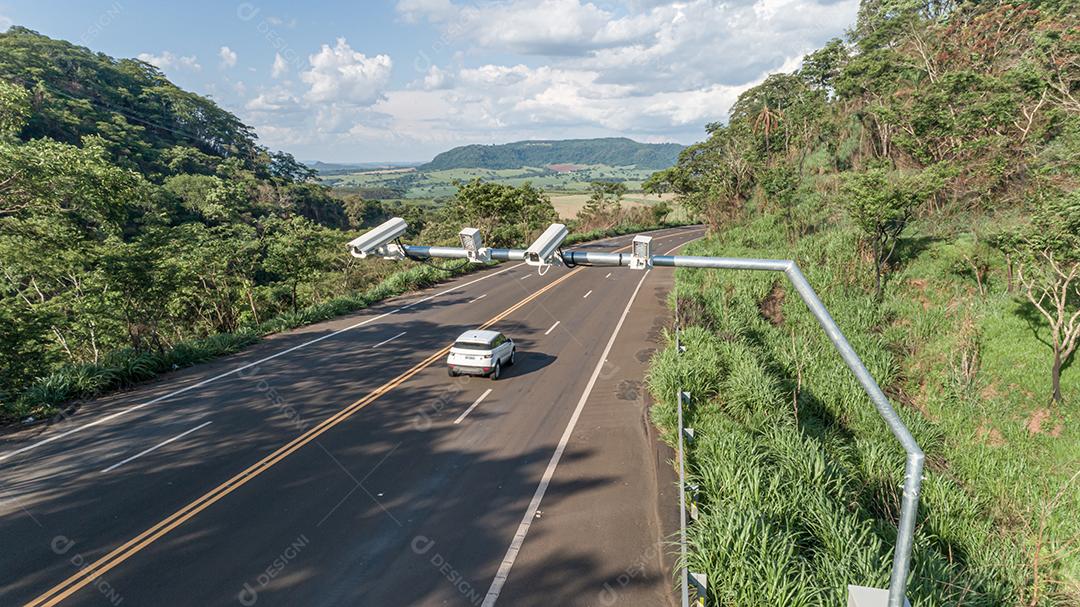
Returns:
<point x="413" y="184"/>
<point x="568" y="205"/>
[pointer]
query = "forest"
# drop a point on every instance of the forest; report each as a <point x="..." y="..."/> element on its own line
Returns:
<point x="611" y="151"/>
<point x="143" y="228"/>
<point x="923" y="173"/>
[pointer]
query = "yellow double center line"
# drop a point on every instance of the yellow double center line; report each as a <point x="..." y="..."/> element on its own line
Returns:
<point x="99" y="567"/>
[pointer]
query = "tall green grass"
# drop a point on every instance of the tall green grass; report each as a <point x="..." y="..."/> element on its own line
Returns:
<point x="800" y="479"/>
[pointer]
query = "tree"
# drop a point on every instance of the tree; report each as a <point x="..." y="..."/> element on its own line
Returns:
<point x="821" y="68"/>
<point x="14" y="108"/>
<point x="604" y="198"/>
<point x="295" y="251"/>
<point x="1049" y="273"/>
<point x="1053" y="287"/>
<point x="659" y="212"/>
<point x="506" y="215"/>
<point x="713" y="179"/>
<point x="881" y="205"/>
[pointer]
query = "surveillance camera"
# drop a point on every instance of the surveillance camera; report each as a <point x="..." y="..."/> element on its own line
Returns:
<point x="378" y="240"/>
<point x="543" y="250"/>
<point x="473" y="243"/>
<point x="641" y="253"/>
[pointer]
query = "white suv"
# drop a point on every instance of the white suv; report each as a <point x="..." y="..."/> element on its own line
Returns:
<point x="480" y="353"/>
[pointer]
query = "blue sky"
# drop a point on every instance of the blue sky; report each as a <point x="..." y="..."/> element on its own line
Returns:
<point x="404" y="80"/>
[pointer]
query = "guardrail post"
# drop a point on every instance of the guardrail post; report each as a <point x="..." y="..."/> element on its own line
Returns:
<point x="700" y="582"/>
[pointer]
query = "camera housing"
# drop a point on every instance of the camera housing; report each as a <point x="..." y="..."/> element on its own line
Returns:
<point x="379" y="240"/>
<point x="473" y="243"/>
<point x="641" y="253"/>
<point x="542" y="251"/>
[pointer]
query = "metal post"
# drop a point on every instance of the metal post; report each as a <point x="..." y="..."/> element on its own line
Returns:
<point x="915" y="457"/>
<point x="683" y="566"/>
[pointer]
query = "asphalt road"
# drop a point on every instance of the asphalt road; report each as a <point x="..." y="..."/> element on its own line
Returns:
<point x="338" y="464"/>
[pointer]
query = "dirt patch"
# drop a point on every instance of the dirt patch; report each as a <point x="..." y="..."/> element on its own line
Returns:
<point x="772" y="307"/>
<point x="895" y="391"/>
<point x="643" y="356"/>
<point x="1038" y="418"/>
<point x="991" y="435"/>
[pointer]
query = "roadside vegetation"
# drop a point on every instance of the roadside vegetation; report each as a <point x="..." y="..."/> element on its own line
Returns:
<point x="143" y="229"/>
<point x="923" y="174"/>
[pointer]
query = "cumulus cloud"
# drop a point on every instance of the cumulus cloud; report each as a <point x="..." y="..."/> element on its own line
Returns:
<point x="435" y="79"/>
<point x="228" y="57"/>
<point x="655" y="70"/>
<point x="168" y="60"/>
<point x="5" y="23"/>
<point x="341" y="75"/>
<point x="280" y="66"/>
<point x="433" y="10"/>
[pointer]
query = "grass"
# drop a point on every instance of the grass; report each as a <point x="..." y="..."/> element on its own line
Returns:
<point x="800" y="478"/>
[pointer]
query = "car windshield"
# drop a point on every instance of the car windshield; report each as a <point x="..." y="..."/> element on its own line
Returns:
<point x="469" y="345"/>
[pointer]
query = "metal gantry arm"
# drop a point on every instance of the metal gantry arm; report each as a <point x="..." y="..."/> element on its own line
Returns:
<point x="641" y="258"/>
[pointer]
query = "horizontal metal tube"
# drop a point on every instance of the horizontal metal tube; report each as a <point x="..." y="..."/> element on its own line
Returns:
<point x="595" y="258"/>
<point x="508" y="254"/>
<point x="723" y="263"/>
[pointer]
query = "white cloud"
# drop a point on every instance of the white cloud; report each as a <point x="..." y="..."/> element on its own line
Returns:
<point x="168" y="60"/>
<point x="228" y="57"/>
<point x="436" y="79"/>
<point x="342" y="75"/>
<point x="280" y="66"/>
<point x="5" y="22"/>
<point x="435" y="10"/>
<point x="654" y="70"/>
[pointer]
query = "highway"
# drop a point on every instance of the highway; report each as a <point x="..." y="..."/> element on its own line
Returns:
<point x="338" y="464"/>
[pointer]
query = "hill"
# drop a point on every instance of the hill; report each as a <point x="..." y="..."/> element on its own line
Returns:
<point x="612" y="151"/>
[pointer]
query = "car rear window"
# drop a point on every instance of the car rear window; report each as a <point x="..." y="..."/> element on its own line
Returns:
<point x="470" y="345"/>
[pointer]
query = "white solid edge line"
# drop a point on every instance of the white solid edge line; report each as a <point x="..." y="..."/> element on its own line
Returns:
<point x="552" y="327"/>
<point x="587" y="294"/>
<point x="155" y="447"/>
<point x="534" y="505"/>
<point x="549" y="472"/>
<point x="472" y="406"/>
<point x="204" y="382"/>
<point x="386" y="341"/>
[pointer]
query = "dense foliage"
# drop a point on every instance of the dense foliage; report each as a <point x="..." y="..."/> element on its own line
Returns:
<point x="923" y="172"/>
<point x="613" y="151"/>
<point x="143" y="228"/>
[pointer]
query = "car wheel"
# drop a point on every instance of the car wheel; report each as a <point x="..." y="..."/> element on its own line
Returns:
<point x="497" y="371"/>
<point x="512" y="353"/>
<point x="451" y="372"/>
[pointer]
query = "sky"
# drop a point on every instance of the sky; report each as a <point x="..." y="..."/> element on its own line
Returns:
<point x="372" y="81"/>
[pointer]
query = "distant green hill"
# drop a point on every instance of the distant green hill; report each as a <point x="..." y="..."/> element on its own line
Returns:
<point x="613" y="151"/>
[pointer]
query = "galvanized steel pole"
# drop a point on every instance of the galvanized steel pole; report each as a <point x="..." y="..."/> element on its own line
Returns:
<point x="914" y="463"/>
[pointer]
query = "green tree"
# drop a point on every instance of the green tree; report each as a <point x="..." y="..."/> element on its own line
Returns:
<point x="1048" y="270"/>
<point x="881" y="204"/>
<point x="605" y="197"/>
<point x="506" y="215"/>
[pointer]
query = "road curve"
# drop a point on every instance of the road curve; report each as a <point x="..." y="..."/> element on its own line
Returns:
<point x="339" y="465"/>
